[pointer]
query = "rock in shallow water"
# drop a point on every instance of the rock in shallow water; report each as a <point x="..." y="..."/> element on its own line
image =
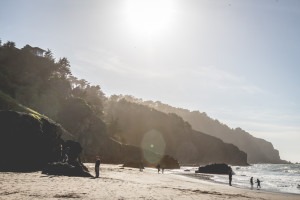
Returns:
<point x="215" y="169"/>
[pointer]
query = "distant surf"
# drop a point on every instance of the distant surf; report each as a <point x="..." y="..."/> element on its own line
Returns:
<point x="283" y="178"/>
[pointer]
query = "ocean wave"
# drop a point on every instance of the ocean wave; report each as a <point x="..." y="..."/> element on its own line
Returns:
<point x="282" y="178"/>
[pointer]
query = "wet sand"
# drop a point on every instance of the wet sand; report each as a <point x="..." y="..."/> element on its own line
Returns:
<point x="118" y="183"/>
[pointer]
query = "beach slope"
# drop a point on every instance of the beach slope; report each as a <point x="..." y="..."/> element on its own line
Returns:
<point x="118" y="183"/>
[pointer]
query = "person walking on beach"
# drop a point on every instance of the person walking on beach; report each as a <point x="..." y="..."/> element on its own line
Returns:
<point x="97" y="166"/>
<point x="158" y="168"/>
<point x="251" y="183"/>
<point x="230" y="177"/>
<point x="258" y="183"/>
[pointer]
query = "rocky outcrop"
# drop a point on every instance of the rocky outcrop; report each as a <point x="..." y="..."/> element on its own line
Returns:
<point x="66" y="169"/>
<point x="215" y="169"/>
<point x="166" y="162"/>
<point x="29" y="142"/>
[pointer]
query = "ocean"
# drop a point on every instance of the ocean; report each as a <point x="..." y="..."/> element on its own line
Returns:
<point x="282" y="178"/>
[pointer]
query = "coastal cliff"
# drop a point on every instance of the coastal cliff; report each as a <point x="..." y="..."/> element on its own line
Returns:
<point x="257" y="149"/>
<point x="140" y="125"/>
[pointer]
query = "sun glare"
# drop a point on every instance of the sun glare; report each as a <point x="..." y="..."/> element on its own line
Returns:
<point x="148" y="16"/>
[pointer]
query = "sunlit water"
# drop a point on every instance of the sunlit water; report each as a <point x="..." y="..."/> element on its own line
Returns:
<point x="275" y="177"/>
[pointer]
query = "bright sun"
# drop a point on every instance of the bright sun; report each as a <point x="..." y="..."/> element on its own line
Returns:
<point x="149" y="16"/>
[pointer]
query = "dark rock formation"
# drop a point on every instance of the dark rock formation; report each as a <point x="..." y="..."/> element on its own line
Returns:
<point x="215" y="169"/>
<point x="29" y="142"/>
<point x="134" y="164"/>
<point x="66" y="169"/>
<point x="166" y="162"/>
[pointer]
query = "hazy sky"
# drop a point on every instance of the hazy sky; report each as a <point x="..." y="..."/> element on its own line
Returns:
<point x="236" y="60"/>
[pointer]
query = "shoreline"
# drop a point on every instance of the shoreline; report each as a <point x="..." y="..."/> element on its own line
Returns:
<point x="277" y="178"/>
<point x="127" y="183"/>
<point x="206" y="178"/>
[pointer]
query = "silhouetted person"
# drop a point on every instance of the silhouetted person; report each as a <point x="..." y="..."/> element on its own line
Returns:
<point x="97" y="166"/>
<point x="251" y="182"/>
<point x="230" y="177"/>
<point x="258" y="183"/>
<point x="158" y="167"/>
<point x="141" y="166"/>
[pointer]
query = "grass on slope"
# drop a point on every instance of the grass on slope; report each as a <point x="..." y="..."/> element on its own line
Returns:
<point x="8" y="103"/>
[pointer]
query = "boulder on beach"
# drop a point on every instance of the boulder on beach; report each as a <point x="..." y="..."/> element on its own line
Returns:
<point x="28" y="142"/>
<point x="66" y="169"/>
<point x="133" y="164"/>
<point x="168" y="162"/>
<point x="215" y="169"/>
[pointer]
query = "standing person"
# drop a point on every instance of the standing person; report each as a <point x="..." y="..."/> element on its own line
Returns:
<point x="258" y="183"/>
<point x="97" y="166"/>
<point x="141" y="166"/>
<point x="230" y="177"/>
<point x="251" y="183"/>
<point x="158" y="168"/>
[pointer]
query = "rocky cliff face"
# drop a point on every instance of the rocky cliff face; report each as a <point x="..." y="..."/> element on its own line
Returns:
<point x="168" y="134"/>
<point x="258" y="150"/>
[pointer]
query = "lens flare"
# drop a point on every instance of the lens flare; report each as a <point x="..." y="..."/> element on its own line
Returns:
<point x="153" y="141"/>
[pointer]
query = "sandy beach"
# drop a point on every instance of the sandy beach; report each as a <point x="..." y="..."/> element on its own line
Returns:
<point x="118" y="183"/>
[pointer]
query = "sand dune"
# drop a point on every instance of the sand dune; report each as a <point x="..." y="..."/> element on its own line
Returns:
<point x="117" y="183"/>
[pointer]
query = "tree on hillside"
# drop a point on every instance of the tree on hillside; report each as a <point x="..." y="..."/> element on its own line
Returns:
<point x="49" y="55"/>
<point x="64" y="67"/>
<point x="9" y="44"/>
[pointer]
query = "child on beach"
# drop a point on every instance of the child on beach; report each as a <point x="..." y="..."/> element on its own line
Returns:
<point x="258" y="183"/>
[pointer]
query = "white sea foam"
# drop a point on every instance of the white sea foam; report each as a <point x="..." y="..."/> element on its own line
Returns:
<point x="275" y="177"/>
